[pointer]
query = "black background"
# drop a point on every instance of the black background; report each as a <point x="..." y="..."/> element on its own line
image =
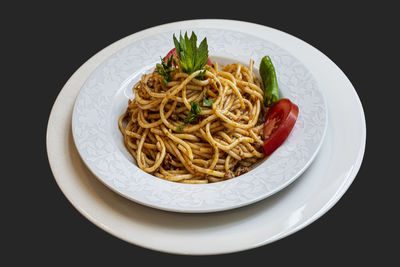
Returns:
<point x="43" y="45"/>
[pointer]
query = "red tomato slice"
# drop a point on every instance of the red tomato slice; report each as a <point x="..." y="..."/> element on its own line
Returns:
<point x="278" y="124"/>
<point x="173" y="53"/>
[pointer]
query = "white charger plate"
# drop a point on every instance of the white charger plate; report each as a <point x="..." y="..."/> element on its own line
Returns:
<point x="282" y="214"/>
<point x="104" y="97"/>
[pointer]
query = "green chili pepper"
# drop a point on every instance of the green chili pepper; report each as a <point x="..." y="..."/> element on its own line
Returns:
<point x="270" y="82"/>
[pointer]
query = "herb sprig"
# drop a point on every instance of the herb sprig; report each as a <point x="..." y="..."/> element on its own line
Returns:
<point x="195" y="109"/>
<point x="165" y="69"/>
<point x="191" y="59"/>
<point x="207" y="102"/>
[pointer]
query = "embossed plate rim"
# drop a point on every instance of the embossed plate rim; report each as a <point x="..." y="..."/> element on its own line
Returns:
<point x="183" y="197"/>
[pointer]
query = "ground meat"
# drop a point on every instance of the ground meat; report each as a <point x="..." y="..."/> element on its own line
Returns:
<point x="167" y="162"/>
<point x="174" y="117"/>
<point x="257" y="145"/>
<point x="150" y="83"/>
<point x="241" y="170"/>
<point x="229" y="175"/>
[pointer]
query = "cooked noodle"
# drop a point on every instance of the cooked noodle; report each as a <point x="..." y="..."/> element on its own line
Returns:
<point x="224" y="140"/>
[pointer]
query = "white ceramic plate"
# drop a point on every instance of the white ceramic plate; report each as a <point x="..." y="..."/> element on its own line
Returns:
<point x="104" y="97"/>
<point x="273" y="218"/>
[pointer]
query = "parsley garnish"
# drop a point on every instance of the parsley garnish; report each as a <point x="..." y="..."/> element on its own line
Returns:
<point x="191" y="59"/>
<point x="201" y="74"/>
<point x="194" y="111"/>
<point x="207" y="102"/>
<point x="165" y="69"/>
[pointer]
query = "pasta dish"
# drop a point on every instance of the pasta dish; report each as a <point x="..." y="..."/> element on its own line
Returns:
<point x="198" y="125"/>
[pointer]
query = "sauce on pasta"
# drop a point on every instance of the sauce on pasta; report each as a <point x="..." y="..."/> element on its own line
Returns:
<point x="196" y="128"/>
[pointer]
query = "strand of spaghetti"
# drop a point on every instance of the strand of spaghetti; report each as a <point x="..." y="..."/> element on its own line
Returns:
<point x="251" y="85"/>
<point x="217" y="129"/>
<point x="189" y="137"/>
<point x="120" y="122"/>
<point x="230" y="152"/>
<point x="177" y="164"/>
<point x="235" y="89"/>
<point x="258" y="129"/>
<point x="170" y="149"/>
<point x="185" y="101"/>
<point x="144" y="102"/>
<point x="193" y="80"/>
<point x="239" y="68"/>
<point x="198" y="97"/>
<point x="177" y="171"/>
<point x="143" y="123"/>
<point x="247" y="76"/>
<point x="214" y="78"/>
<point x="251" y="66"/>
<point x="132" y="152"/>
<point x="228" y="104"/>
<point x="252" y="92"/>
<point x="252" y="122"/>
<point x="242" y="151"/>
<point x="211" y="93"/>
<point x="157" y="131"/>
<point x="226" y="147"/>
<point x="195" y="181"/>
<point x="215" y="159"/>
<point x="238" y="149"/>
<point x="225" y="136"/>
<point x="134" y="114"/>
<point x="181" y="158"/>
<point x="194" y="146"/>
<point x="244" y="117"/>
<point x="205" y="150"/>
<point x="178" y="140"/>
<point x="175" y="177"/>
<point x="220" y="97"/>
<point x="254" y="151"/>
<point x="246" y="70"/>
<point x="130" y="144"/>
<point x="228" y="76"/>
<point x="153" y="116"/>
<point x="194" y="87"/>
<point x="196" y="127"/>
<point x="185" y="152"/>
<point x="226" y="165"/>
<point x="149" y="146"/>
<point x="208" y="171"/>
<point x="255" y="137"/>
<point x="220" y="114"/>
<point x="139" y="149"/>
<point x="132" y="134"/>
<point x="159" y="158"/>
<point x="149" y="156"/>
<point x="234" y="129"/>
<point x="191" y="93"/>
<point x="201" y="155"/>
<point x="205" y="163"/>
<point x="214" y="179"/>
<point x="144" y="84"/>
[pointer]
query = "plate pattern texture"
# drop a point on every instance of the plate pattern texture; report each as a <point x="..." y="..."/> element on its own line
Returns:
<point x="93" y="126"/>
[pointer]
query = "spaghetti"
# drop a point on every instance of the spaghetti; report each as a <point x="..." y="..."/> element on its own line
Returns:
<point x="220" y="142"/>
